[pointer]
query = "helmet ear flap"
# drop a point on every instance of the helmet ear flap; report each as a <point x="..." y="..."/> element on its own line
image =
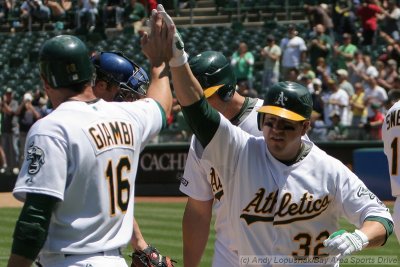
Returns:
<point x="226" y="92"/>
<point x="260" y="120"/>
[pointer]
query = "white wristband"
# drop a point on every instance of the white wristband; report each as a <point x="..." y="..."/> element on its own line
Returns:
<point x="363" y="237"/>
<point x="179" y="61"/>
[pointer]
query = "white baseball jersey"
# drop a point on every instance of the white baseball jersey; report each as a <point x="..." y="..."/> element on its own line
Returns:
<point x="202" y="182"/>
<point x="391" y="147"/>
<point x="86" y="155"/>
<point x="277" y="209"/>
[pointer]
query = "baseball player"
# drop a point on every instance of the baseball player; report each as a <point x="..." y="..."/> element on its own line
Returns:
<point x="390" y="138"/>
<point x="285" y="195"/>
<point x="118" y="78"/>
<point x="200" y="180"/>
<point x="78" y="178"/>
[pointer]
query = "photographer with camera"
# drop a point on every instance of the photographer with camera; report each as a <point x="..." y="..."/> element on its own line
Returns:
<point x="27" y="115"/>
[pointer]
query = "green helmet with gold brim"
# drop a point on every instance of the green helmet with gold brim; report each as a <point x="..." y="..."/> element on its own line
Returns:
<point x="288" y="100"/>
<point x="214" y="73"/>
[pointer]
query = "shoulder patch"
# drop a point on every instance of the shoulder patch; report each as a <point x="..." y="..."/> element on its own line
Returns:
<point x="184" y="181"/>
<point x="36" y="157"/>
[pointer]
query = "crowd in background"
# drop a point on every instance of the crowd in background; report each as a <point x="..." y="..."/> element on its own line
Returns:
<point x="336" y="58"/>
<point x="79" y="15"/>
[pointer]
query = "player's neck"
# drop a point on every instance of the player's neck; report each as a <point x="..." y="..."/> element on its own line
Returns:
<point x="234" y="106"/>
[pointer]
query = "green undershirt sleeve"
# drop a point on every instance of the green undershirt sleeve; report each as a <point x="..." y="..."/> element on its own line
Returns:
<point x="202" y="119"/>
<point x="32" y="225"/>
<point x="163" y="116"/>
<point x="385" y="222"/>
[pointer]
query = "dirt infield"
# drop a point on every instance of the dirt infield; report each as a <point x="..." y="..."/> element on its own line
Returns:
<point x="8" y="201"/>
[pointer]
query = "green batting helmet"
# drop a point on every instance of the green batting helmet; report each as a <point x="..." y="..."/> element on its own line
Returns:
<point x="214" y="73"/>
<point x="64" y="61"/>
<point x="288" y="100"/>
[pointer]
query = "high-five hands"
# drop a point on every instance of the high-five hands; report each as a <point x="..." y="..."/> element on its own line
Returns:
<point x="154" y="40"/>
<point x="179" y="56"/>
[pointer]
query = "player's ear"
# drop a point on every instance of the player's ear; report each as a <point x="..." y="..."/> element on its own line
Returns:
<point x="260" y="120"/>
<point x="306" y="126"/>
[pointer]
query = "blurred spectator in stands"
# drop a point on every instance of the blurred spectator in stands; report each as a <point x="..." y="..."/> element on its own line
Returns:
<point x="319" y="45"/>
<point x="368" y="14"/>
<point x="318" y="129"/>
<point x="373" y="127"/>
<point x="242" y="61"/>
<point x="306" y="70"/>
<point x="391" y="74"/>
<point x="344" y="53"/>
<point x="8" y="129"/>
<point x="293" y="51"/>
<point x="271" y="55"/>
<point x="396" y="84"/>
<point x="343" y="18"/>
<point x="113" y="11"/>
<point x="37" y="94"/>
<point x="391" y="19"/>
<point x="343" y="82"/>
<point x="87" y="14"/>
<point x="322" y="68"/>
<point x="307" y="81"/>
<point x="381" y="68"/>
<point x="5" y="8"/>
<point x="370" y="70"/>
<point x="244" y="90"/>
<point x="337" y="130"/>
<point x="27" y="115"/>
<point x="392" y="50"/>
<point x="177" y="124"/>
<point x="357" y="106"/>
<point x="319" y="14"/>
<point x="57" y="11"/>
<point x="318" y="105"/>
<point x="374" y="95"/>
<point x="34" y="10"/>
<point x="393" y="97"/>
<point x="293" y="74"/>
<point x="3" y="158"/>
<point x="336" y="100"/>
<point x="149" y="5"/>
<point x="134" y="14"/>
<point x="356" y="67"/>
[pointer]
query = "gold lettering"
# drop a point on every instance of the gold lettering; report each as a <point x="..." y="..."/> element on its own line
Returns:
<point x="307" y="205"/>
<point x="317" y="202"/>
<point x="108" y="138"/>
<point x="270" y="202"/>
<point x="284" y="202"/>
<point x="125" y="132"/>
<point x="293" y="209"/>
<point x="131" y="134"/>
<point x="96" y="138"/>
<point x="256" y="201"/>
<point x="309" y="202"/>
<point x="116" y="132"/>
<point x="215" y="182"/>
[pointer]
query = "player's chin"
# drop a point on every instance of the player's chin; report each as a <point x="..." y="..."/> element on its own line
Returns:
<point x="276" y="143"/>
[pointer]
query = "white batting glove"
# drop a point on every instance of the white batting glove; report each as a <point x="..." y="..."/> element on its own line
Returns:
<point x="342" y="243"/>
<point x="179" y="56"/>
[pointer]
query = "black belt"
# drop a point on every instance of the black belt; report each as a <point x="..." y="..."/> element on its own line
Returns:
<point x="102" y="253"/>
